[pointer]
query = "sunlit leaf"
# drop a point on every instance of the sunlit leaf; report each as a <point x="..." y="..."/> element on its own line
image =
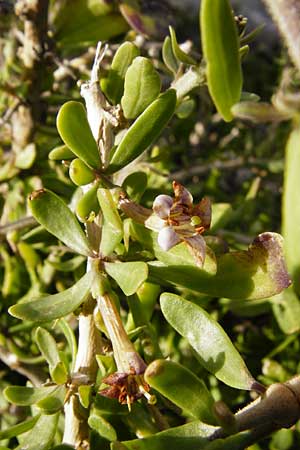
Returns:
<point x="169" y="58"/>
<point x="102" y="426"/>
<point x="74" y="129"/>
<point x="180" y="54"/>
<point x="143" y="132"/>
<point x="54" y="306"/>
<point x="112" y="231"/>
<point x="135" y="185"/>
<point x="53" y="213"/>
<point x="216" y="351"/>
<point x="24" y="395"/>
<point x="41" y="436"/>
<point x="191" y="436"/>
<point x="259" y="272"/>
<point x="142" y="86"/>
<point x="291" y="207"/>
<point x="49" y="350"/>
<point x="182" y="387"/>
<point x="221" y="50"/>
<point x="128" y="275"/>
<point x="20" y="428"/>
<point x="114" y="83"/>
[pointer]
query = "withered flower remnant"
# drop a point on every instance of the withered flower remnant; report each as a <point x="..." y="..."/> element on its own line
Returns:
<point x="125" y="387"/>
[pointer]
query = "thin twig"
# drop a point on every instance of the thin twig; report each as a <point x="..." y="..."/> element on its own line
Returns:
<point x="17" y="225"/>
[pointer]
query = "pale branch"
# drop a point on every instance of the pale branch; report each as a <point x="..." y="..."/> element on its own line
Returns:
<point x="34" y="373"/>
<point x="286" y="13"/>
<point x="34" y="15"/>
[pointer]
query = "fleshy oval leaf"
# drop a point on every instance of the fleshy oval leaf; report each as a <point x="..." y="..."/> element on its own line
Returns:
<point x="146" y="128"/>
<point x="80" y="173"/>
<point x="169" y="58"/>
<point x="114" y="83"/>
<point x="291" y="207"/>
<point x="87" y="206"/>
<point x="74" y="129"/>
<point x="112" y="230"/>
<point x="128" y="275"/>
<point x="141" y="87"/>
<point x="180" y="54"/>
<point x="221" y="50"/>
<point x="191" y="436"/>
<point x="259" y="272"/>
<point x="53" y="213"/>
<point x="258" y="112"/>
<point x="60" y="153"/>
<point x="102" y="427"/>
<point x="19" y="428"/>
<point x="215" y="349"/>
<point x="41" y="436"/>
<point x="54" y="306"/>
<point x="25" y="395"/>
<point x="49" y="350"/>
<point x="135" y="185"/>
<point x="182" y="387"/>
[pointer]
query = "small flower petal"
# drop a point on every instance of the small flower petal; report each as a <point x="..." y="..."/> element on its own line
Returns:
<point x="182" y="195"/>
<point x="162" y="205"/>
<point x="167" y="238"/>
<point x="203" y="210"/>
<point x="155" y="223"/>
<point x="197" y="246"/>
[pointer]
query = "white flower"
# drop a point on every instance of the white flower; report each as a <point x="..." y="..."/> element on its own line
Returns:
<point x="178" y="220"/>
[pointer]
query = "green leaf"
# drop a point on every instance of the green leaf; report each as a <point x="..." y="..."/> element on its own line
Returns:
<point x="54" y="402"/>
<point x="182" y="387"/>
<point x="221" y="50"/>
<point x="208" y="339"/>
<point x="169" y="58"/>
<point x="41" y="436"/>
<point x="135" y="185"/>
<point x="20" y="428"/>
<point x="25" y="158"/>
<point x="53" y="213"/>
<point x="238" y="441"/>
<point x="291" y="207"/>
<point x="54" y="306"/>
<point x="68" y="266"/>
<point x="180" y="55"/>
<point x="82" y="29"/>
<point x="87" y="206"/>
<point x="74" y="129"/>
<point x="102" y="426"/>
<point x="128" y="275"/>
<point x="60" y="153"/>
<point x="144" y="130"/>
<point x="112" y="230"/>
<point x="71" y="339"/>
<point x="258" y="112"/>
<point x="286" y="309"/>
<point x="49" y="350"/>
<point x="142" y="86"/>
<point x="114" y="84"/>
<point x="259" y="272"/>
<point x="191" y="436"/>
<point x="80" y="173"/>
<point x="85" y="395"/>
<point x="24" y="395"/>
